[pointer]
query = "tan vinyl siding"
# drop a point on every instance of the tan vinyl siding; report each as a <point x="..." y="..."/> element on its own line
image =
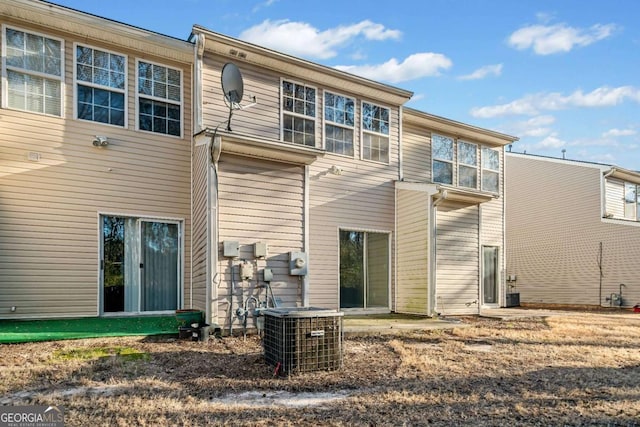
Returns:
<point x="360" y="199"/>
<point x="260" y="201"/>
<point x="492" y="227"/>
<point x="262" y="119"/>
<point x="416" y="154"/>
<point x="457" y="263"/>
<point x="49" y="209"/>
<point x="413" y="251"/>
<point x="200" y="227"/>
<point x="554" y="229"/>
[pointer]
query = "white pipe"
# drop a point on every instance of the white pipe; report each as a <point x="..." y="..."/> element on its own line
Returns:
<point x="305" y="278"/>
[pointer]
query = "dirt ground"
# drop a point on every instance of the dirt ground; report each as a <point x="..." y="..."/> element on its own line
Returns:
<point x="554" y="371"/>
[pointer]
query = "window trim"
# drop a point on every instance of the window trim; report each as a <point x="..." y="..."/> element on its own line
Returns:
<point x="5" y="68"/>
<point x="487" y="169"/>
<point x="460" y="163"/>
<point x="292" y="113"/>
<point x="389" y="261"/>
<point x="139" y="219"/>
<point x="76" y="82"/>
<point x="452" y="161"/>
<point x="364" y="131"/>
<point x="155" y="98"/>
<point x="325" y="122"/>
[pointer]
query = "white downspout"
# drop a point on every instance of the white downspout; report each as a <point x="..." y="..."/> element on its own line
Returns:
<point x="305" y="278"/>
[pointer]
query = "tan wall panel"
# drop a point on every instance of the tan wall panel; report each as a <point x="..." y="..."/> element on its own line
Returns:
<point x="554" y="230"/>
<point x="49" y="208"/>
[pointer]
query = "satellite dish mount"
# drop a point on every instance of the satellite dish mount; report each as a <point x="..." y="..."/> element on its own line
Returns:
<point x="232" y="88"/>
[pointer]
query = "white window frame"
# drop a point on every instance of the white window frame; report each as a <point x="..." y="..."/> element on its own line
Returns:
<point x="390" y="238"/>
<point x="181" y="262"/>
<point x="314" y="118"/>
<point x="483" y="169"/>
<point x="636" y="188"/>
<point x="159" y="99"/>
<point x="124" y="91"/>
<point x="6" y="68"/>
<point x="461" y="164"/>
<point x="364" y="132"/>
<point x="451" y="162"/>
<point x="326" y="122"/>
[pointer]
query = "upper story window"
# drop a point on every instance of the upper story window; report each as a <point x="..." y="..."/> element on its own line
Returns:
<point x="442" y="155"/>
<point x="490" y="170"/>
<point x="339" y="117"/>
<point x="101" y="85"/>
<point x="159" y="99"/>
<point x="375" y="133"/>
<point x="34" y="70"/>
<point x="631" y="201"/>
<point x="298" y="113"/>
<point x="467" y="165"/>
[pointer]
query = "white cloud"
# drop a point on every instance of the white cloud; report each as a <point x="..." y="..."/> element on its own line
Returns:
<point x="266" y="3"/>
<point x="551" y="141"/>
<point x="482" y="72"/>
<point x="549" y="39"/>
<point x="415" y="66"/>
<point x="534" y="104"/>
<point x="612" y="133"/>
<point x="534" y="127"/>
<point x="303" y="39"/>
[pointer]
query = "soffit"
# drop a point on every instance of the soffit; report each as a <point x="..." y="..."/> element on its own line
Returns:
<point x="456" y="129"/>
<point x="93" y="28"/>
<point x="263" y="148"/>
<point x="624" y="175"/>
<point x="455" y="194"/>
<point x="242" y="52"/>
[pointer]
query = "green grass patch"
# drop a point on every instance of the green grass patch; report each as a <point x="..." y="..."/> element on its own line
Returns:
<point x="124" y="353"/>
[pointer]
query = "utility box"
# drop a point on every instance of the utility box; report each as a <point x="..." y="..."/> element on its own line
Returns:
<point x="298" y="263"/>
<point x="230" y="249"/>
<point x="513" y="300"/>
<point x="260" y="250"/>
<point x="300" y="340"/>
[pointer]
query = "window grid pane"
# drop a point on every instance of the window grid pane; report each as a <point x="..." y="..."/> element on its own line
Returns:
<point x="100" y="68"/>
<point x="298" y="122"/>
<point x="375" y="118"/>
<point x="375" y="147"/>
<point x="340" y="110"/>
<point x="100" y="105"/>
<point x="159" y="82"/>
<point x="27" y="54"/>
<point x="490" y="170"/>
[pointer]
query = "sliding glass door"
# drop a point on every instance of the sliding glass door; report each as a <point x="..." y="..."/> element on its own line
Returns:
<point x="364" y="269"/>
<point x="141" y="265"/>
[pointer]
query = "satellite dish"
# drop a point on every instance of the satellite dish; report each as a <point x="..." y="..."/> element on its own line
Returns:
<point x="232" y="84"/>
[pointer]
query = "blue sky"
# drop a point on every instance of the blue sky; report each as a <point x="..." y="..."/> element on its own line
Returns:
<point x="560" y="74"/>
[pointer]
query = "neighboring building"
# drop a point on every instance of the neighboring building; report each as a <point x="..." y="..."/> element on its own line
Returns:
<point x="573" y="231"/>
<point x="94" y="165"/>
<point x="131" y="184"/>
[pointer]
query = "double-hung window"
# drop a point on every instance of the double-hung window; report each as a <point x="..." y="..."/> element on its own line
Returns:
<point x="375" y="133"/>
<point x="298" y="113"/>
<point x="339" y="113"/>
<point x="631" y="201"/>
<point x="159" y="99"/>
<point x="467" y="165"/>
<point x="442" y="159"/>
<point x="101" y="80"/>
<point x="34" y="70"/>
<point x="490" y="170"/>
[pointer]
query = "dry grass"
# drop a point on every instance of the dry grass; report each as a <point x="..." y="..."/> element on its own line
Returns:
<point x="562" y="370"/>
